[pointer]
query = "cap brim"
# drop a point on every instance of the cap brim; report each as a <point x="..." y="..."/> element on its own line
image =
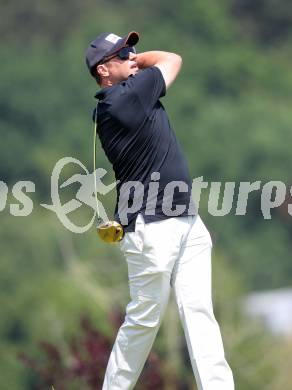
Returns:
<point x="132" y="38"/>
<point x="129" y="40"/>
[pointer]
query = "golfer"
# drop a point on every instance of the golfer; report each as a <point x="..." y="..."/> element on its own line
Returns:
<point x="166" y="244"/>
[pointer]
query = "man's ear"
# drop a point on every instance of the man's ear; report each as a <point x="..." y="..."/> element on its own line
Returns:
<point x="102" y="70"/>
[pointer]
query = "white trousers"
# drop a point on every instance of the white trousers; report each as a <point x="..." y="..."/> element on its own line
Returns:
<point x="175" y="252"/>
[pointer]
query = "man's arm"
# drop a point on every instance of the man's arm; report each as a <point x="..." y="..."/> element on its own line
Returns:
<point x="168" y="63"/>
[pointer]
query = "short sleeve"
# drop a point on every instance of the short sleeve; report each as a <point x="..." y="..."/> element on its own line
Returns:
<point x="137" y="96"/>
<point x="149" y="86"/>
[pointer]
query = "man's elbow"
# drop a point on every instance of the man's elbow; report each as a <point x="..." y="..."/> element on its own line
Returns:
<point x="177" y="59"/>
<point x="170" y="67"/>
<point x="174" y="68"/>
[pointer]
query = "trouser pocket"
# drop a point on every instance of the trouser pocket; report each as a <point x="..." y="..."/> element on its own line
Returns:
<point x="133" y="241"/>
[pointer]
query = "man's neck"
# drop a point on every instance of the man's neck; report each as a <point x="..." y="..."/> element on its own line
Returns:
<point x="106" y="83"/>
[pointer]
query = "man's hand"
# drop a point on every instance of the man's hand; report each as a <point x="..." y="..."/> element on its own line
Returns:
<point x="168" y="63"/>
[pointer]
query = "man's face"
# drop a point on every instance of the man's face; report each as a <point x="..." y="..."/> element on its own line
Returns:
<point x="118" y="70"/>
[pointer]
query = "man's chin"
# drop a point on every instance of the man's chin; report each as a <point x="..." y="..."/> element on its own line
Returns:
<point x="134" y="71"/>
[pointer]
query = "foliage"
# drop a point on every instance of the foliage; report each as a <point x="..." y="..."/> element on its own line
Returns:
<point x="84" y="364"/>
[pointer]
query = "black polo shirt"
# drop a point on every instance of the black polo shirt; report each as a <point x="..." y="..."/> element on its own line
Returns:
<point x="135" y="133"/>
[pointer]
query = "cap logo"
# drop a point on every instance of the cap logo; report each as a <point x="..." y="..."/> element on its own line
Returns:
<point x="112" y="38"/>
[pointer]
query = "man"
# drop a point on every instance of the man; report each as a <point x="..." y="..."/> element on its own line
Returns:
<point x="166" y="243"/>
